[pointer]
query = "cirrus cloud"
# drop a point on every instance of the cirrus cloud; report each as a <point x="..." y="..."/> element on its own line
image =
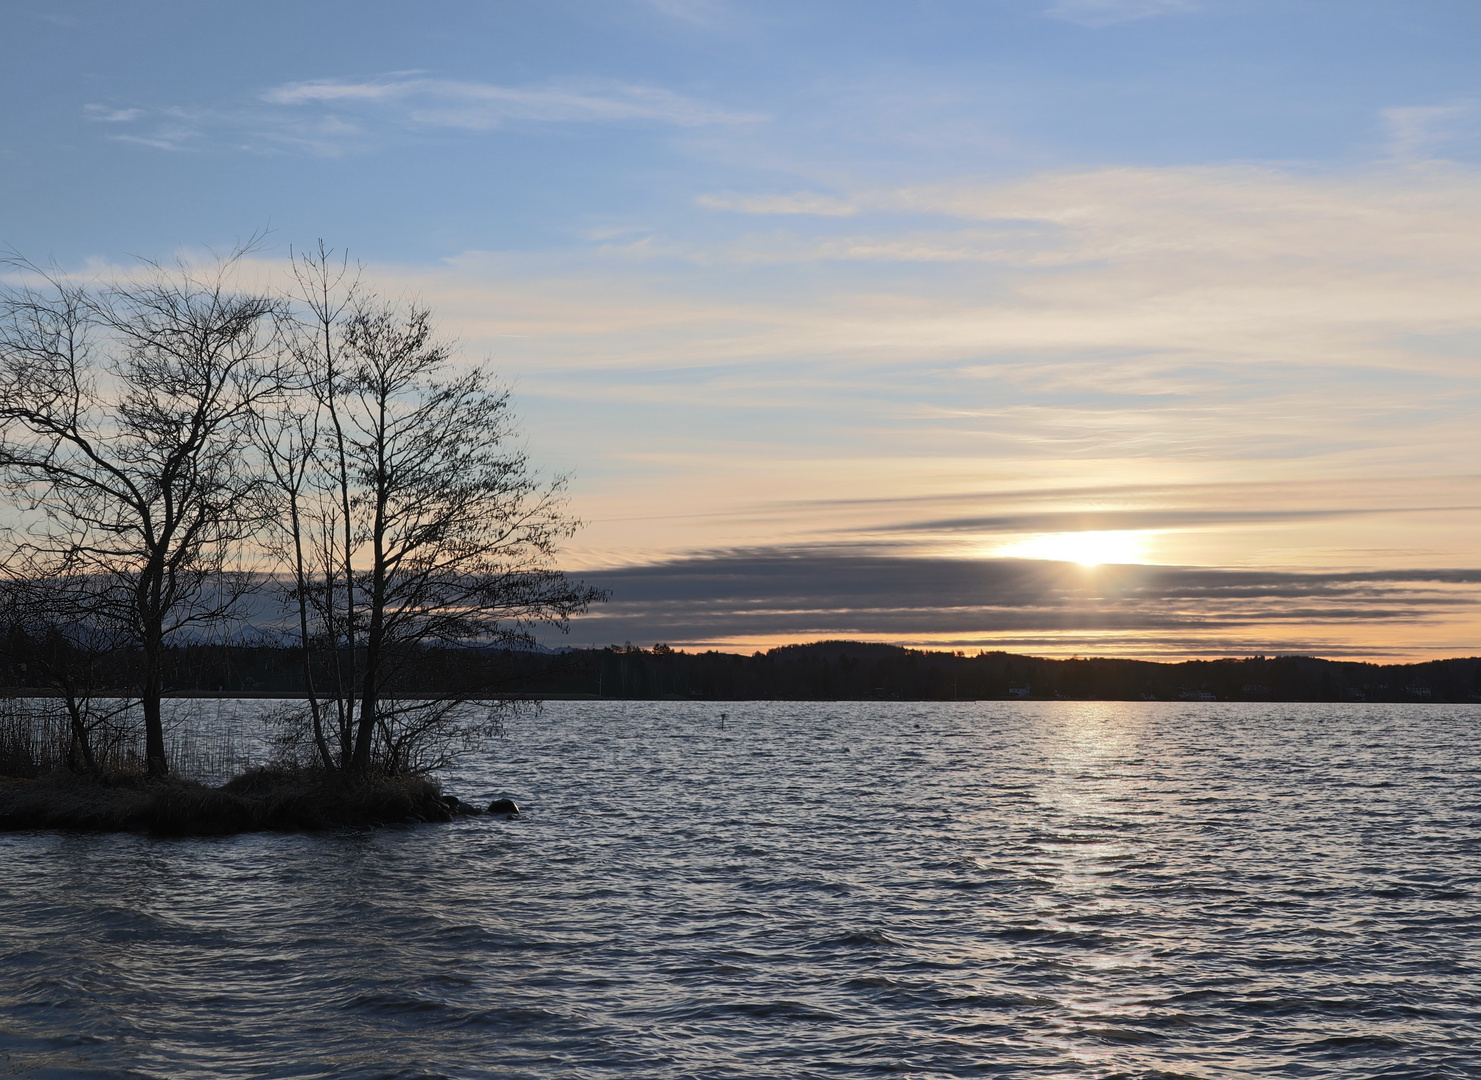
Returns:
<point x="420" y="101"/>
<point x="805" y="202"/>
<point x="1097" y="13"/>
<point x="332" y="117"/>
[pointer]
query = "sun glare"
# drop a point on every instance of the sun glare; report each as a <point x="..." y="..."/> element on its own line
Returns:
<point x="1085" y="548"/>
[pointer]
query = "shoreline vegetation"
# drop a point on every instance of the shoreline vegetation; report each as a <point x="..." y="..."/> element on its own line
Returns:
<point x="258" y="800"/>
<point x="44" y="786"/>
<point x="818" y="671"/>
<point x="180" y="448"/>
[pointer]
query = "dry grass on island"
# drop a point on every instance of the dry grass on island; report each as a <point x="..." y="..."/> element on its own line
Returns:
<point x="43" y="785"/>
<point x="281" y="800"/>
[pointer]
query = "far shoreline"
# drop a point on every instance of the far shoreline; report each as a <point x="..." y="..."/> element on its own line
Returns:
<point x="818" y="671"/>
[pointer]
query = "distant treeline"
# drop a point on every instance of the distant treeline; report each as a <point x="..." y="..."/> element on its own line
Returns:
<point x="830" y="670"/>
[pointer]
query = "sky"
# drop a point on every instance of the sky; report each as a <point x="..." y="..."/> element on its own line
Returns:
<point x="1072" y="327"/>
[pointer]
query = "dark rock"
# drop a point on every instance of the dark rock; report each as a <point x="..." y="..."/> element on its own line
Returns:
<point x="504" y="806"/>
<point x="458" y="808"/>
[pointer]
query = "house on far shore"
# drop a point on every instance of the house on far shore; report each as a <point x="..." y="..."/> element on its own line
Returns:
<point x="1020" y="691"/>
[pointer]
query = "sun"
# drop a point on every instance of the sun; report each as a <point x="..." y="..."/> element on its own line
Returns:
<point x="1085" y="548"/>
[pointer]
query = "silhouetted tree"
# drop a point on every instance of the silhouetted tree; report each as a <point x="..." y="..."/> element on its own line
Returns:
<point x="53" y="629"/>
<point x="125" y="436"/>
<point x="410" y="521"/>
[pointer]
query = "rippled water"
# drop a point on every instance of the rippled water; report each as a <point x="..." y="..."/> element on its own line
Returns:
<point x="1055" y="889"/>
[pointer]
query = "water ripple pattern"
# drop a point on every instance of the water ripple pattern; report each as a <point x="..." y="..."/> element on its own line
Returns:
<point x="1054" y="889"/>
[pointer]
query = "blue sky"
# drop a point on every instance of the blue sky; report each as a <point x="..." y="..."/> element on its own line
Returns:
<point x="158" y="124"/>
<point x="1190" y="280"/>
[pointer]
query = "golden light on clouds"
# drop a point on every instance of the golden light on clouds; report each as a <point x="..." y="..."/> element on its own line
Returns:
<point x="1091" y="548"/>
<point x="1249" y="369"/>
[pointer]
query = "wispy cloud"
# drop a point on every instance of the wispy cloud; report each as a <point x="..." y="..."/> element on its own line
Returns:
<point x="805" y="202"/>
<point x="332" y="117"/>
<point x="1120" y="520"/>
<point x="181" y="129"/>
<point x="755" y="595"/>
<point x="1314" y="336"/>
<point x="169" y="129"/>
<point x="162" y="129"/>
<point x="446" y="103"/>
<point x="1096" y="13"/>
<point x="1127" y="273"/>
<point x="103" y="114"/>
<point x="705" y="13"/>
<point x="1423" y="132"/>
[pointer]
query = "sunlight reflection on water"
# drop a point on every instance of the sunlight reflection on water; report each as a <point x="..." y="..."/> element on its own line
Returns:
<point x="1049" y="889"/>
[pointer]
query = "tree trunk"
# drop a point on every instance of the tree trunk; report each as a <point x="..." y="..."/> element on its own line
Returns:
<point x="154" y="727"/>
<point x="375" y="631"/>
<point x="81" y="743"/>
<point x="369" y="696"/>
<point x="325" y="758"/>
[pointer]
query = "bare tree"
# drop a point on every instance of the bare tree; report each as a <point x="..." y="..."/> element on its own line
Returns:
<point x="414" y="521"/>
<point x="60" y="631"/>
<point x="288" y="434"/>
<point x="125" y="435"/>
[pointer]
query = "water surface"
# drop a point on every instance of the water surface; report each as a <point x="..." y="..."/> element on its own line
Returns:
<point x="810" y="890"/>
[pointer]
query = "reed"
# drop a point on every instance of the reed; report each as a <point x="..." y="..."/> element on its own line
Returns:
<point x="36" y="739"/>
<point x="40" y="788"/>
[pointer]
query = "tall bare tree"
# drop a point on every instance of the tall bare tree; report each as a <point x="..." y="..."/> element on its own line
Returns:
<point x="60" y="630"/>
<point x="125" y="435"/>
<point x="416" y="519"/>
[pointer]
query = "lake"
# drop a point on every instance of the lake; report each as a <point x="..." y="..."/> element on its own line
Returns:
<point x="1038" y="889"/>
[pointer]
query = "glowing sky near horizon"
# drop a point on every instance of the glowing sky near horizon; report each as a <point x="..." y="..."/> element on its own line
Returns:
<point x="907" y="320"/>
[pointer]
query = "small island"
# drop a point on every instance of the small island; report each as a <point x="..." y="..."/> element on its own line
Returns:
<point x="258" y="800"/>
<point x="188" y="461"/>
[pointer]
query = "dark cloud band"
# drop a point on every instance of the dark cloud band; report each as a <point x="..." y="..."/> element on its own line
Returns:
<point x="811" y="592"/>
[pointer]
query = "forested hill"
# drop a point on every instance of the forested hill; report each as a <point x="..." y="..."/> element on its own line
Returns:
<point x="843" y="670"/>
<point x="830" y="670"/>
